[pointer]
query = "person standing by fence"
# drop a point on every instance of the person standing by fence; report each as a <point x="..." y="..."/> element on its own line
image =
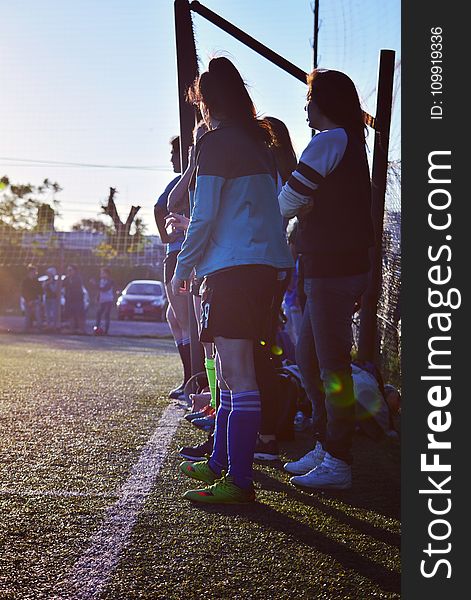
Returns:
<point x="105" y="300"/>
<point x="330" y="192"/>
<point x="32" y="292"/>
<point x="74" y="300"/>
<point x="51" y="293"/>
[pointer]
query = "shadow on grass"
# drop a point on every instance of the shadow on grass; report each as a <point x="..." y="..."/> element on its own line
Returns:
<point x="389" y="581"/>
<point x="113" y="343"/>
<point x="311" y="498"/>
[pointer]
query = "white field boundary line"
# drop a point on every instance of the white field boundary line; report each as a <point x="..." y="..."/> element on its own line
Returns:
<point x="92" y="571"/>
<point x="54" y="493"/>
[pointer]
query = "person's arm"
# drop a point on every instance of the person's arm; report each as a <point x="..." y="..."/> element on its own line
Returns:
<point x="214" y="166"/>
<point x="321" y="157"/>
<point x="207" y="201"/>
<point x="179" y="194"/>
<point x="24" y="289"/>
<point x="160" y="212"/>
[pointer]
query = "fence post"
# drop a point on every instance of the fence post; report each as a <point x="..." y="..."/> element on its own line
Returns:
<point x="368" y="345"/>
<point x="187" y="71"/>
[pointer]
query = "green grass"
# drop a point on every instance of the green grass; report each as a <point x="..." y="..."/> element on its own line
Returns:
<point x="75" y="413"/>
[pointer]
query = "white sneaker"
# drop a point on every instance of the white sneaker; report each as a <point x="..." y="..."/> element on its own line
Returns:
<point x="309" y="461"/>
<point x="331" y="474"/>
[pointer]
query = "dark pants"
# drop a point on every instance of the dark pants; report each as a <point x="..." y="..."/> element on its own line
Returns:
<point x="265" y="372"/>
<point x="75" y="313"/>
<point x="323" y="354"/>
<point x="33" y="314"/>
<point x="104" y="313"/>
<point x="266" y="363"/>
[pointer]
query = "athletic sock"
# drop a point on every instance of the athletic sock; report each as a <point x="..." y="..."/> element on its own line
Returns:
<point x="218" y="459"/>
<point x="183" y="347"/>
<point x="211" y="373"/>
<point x="242" y="427"/>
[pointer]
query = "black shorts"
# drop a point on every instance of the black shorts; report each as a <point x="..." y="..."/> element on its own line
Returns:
<point x="170" y="264"/>
<point x="195" y="286"/>
<point x="237" y="303"/>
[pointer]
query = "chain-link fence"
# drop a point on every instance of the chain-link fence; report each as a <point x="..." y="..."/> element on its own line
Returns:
<point x="127" y="257"/>
<point x="389" y="306"/>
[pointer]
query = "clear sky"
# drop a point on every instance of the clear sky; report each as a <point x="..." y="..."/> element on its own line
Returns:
<point x="93" y="82"/>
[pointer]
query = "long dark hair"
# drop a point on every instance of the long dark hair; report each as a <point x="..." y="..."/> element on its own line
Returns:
<point x="222" y="92"/>
<point x="336" y="96"/>
<point x="285" y="156"/>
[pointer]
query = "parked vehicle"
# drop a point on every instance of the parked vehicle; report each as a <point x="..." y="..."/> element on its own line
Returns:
<point x="142" y="298"/>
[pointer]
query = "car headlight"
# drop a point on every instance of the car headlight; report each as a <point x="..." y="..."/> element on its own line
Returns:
<point x="156" y="303"/>
<point x="121" y="301"/>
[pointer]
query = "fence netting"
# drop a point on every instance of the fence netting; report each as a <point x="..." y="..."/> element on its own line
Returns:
<point x="389" y="306"/>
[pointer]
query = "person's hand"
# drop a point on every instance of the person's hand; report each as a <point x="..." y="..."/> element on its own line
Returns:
<point x="191" y="155"/>
<point x="178" y="222"/>
<point x="179" y="286"/>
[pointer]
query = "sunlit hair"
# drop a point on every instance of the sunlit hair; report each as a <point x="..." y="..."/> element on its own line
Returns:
<point x="335" y="95"/>
<point x="285" y="156"/>
<point x="220" y="92"/>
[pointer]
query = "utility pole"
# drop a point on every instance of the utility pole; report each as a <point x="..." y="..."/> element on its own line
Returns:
<point x="315" y="39"/>
<point x="315" y="43"/>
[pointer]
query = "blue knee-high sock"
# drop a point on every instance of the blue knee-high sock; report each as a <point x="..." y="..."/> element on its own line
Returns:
<point x="218" y="460"/>
<point x="242" y="428"/>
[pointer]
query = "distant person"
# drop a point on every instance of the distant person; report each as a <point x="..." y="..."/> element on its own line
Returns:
<point x="177" y="311"/>
<point x="51" y="290"/>
<point x="74" y="300"/>
<point x="330" y="193"/>
<point x="32" y="292"/>
<point x="106" y="294"/>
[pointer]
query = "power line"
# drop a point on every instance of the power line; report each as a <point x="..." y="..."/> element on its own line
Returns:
<point x="42" y="163"/>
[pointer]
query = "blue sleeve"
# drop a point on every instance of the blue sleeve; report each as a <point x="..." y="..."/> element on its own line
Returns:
<point x="206" y="206"/>
<point x="162" y="199"/>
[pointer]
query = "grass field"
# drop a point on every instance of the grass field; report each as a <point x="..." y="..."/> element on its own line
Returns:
<point x="77" y="416"/>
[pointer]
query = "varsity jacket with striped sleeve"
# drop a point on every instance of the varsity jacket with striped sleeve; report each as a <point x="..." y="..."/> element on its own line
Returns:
<point x="335" y="234"/>
<point x="235" y="219"/>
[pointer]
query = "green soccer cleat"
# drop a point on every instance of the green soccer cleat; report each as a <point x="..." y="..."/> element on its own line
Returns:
<point x="199" y="470"/>
<point x="223" y="491"/>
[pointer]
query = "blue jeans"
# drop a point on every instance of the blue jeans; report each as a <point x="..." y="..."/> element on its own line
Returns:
<point x="323" y="354"/>
<point x="104" y="312"/>
<point x="51" y="311"/>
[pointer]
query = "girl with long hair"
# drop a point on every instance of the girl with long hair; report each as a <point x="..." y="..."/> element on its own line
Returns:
<point x="330" y="193"/>
<point x="236" y="242"/>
